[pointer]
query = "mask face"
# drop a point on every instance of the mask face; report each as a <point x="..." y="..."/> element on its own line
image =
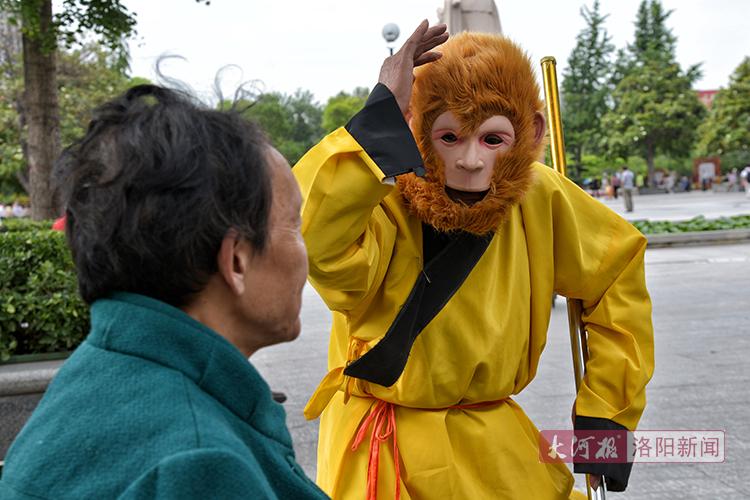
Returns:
<point x="469" y="157"/>
<point x="473" y="116"/>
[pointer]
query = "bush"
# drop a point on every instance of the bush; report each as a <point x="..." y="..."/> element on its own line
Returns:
<point x="735" y="159"/>
<point x="40" y="309"/>
<point x="9" y="199"/>
<point x="23" y="224"/>
<point x="699" y="223"/>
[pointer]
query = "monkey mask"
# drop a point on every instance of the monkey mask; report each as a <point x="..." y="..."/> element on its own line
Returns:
<point x="483" y="83"/>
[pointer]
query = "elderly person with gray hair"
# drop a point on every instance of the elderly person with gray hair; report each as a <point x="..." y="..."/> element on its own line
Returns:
<point x="183" y="223"/>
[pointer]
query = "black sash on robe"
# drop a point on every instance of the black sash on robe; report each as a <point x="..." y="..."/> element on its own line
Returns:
<point x="443" y="274"/>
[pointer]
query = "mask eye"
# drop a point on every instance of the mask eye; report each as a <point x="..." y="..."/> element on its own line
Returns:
<point x="449" y="138"/>
<point x="493" y="139"/>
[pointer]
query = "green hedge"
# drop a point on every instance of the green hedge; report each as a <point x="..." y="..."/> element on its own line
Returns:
<point x="699" y="223"/>
<point x="14" y="224"/>
<point x="40" y="309"/>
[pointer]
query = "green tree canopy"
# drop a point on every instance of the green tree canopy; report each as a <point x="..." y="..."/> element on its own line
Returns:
<point x="655" y="109"/>
<point x="11" y="88"/>
<point x="307" y="128"/>
<point x="292" y="122"/>
<point x="86" y="77"/>
<point x="107" y="21"/>
<point x="726" y="131"/>
<point x="653" y="40"/>
<point x="42" y="32"/>
<point x="342" y="107"/>
<point x="585" y="86"/>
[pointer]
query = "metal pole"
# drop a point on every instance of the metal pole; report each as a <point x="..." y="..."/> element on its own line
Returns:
<point x="578" y="340"/>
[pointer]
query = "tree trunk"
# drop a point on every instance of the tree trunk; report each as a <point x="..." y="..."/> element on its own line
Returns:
<point x="577" y="156"/>
<point x="650" y="163"/>
<point x="23" y="174"/>
<point x="42" y="113"/>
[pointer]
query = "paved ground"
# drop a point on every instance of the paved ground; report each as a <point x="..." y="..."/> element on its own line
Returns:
<point x="702" y="336"/>
<point x="682" y="206"/>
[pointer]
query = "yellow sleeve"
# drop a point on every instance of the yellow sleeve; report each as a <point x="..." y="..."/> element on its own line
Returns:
<point x="347" y="229"/>
<point x="599" y="258"/>
<point x="349" y="237"/>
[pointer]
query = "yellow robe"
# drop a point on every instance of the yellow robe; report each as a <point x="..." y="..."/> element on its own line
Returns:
<point x="365" y="252"/>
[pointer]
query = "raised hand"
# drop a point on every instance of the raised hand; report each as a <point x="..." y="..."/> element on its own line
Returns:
<point x="397" y="72"/>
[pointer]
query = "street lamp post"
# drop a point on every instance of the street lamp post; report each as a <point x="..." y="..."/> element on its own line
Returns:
<point x="390" y="33"/>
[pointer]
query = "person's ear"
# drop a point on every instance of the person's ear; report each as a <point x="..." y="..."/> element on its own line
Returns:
<point x="540" y="127"/>
<point x="233" y="261"/>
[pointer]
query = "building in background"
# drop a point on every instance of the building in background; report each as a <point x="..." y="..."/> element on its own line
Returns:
<point x="707" y="97"/>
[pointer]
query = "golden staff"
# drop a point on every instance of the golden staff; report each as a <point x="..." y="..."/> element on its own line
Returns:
<point x="578" y="339"/>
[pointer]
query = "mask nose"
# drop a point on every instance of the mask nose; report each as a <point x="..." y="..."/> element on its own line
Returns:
<point x="470" y="158"/>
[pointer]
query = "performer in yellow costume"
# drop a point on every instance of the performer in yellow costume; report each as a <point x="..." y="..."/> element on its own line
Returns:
<point x="426" y="351"/>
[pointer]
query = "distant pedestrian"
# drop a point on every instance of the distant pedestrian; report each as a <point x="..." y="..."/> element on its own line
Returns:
<point x="607" y="185"/>
<point x="595" y="186"/>
<point x="670" y="182"/>
<point x="616" y="182"/>
<point x="19" y="210"/>
<point x="628" y="184"/>
<point x="732" y="180"/>
<point x="684" y="183"/>
<point x="745" y="175"/>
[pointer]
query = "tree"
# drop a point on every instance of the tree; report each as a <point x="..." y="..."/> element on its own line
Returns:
<point x="655" y="109"/>
<point x="726" y="131"/>
<point x="11" y="88"/>
<point x="109" y="22"/>
<point x="86" y="77"/>
<point x="585" y="86"/>
<point x="307" y="129"/>
<point x="342" y="107"/>
<point x="653" y="40"/>
<point x="41" y="33"/>
<point x="292" y="123"/>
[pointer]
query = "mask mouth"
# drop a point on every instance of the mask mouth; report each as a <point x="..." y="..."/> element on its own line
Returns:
<point x="468" y="198"/>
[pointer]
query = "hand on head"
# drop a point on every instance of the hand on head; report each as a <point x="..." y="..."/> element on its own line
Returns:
<point x="397" y="70"/>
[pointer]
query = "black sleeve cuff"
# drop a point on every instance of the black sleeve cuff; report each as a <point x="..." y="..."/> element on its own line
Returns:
<point x="383" y="133"/>
<point x="616" y="474"/>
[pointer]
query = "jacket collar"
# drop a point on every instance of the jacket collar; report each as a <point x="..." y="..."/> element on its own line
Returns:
<point x="143" y="327"/>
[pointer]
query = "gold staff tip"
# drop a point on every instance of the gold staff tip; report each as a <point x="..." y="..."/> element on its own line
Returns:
<point x="549" y="59"/>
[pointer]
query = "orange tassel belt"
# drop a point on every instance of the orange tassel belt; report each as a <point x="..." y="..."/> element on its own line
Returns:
<point x="382" y="418"/>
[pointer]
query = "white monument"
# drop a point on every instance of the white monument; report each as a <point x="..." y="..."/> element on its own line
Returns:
<point x="470" y="15"/>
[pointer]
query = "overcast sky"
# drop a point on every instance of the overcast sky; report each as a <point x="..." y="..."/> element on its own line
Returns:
<point x="330" y="45"/>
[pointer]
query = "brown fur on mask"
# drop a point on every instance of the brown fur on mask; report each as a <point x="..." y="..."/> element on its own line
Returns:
<point x="479" y="76"/>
